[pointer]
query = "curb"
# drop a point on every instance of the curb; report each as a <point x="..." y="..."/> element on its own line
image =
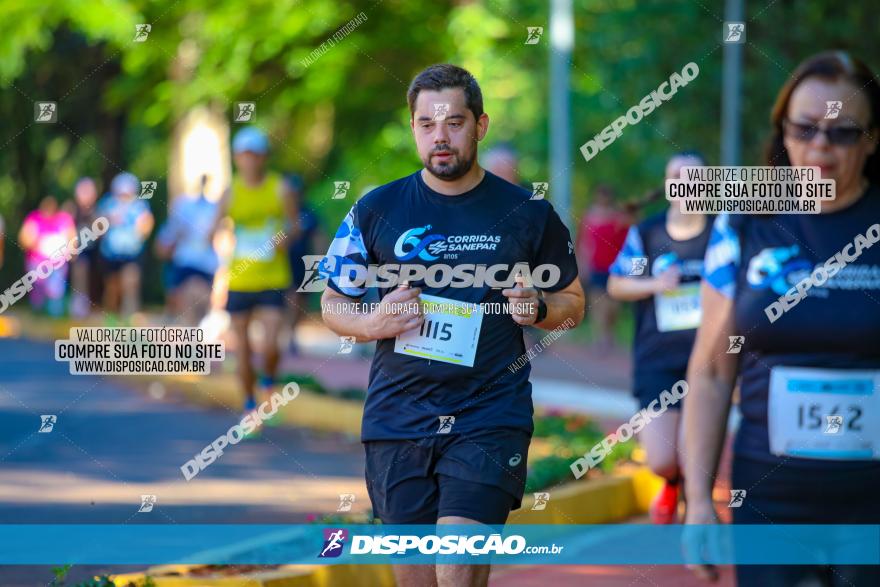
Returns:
<point x="597" y="501"/>
<point x="285" y="576"/>
<point x="38" y="328"/>
<point x="9" y="327"/>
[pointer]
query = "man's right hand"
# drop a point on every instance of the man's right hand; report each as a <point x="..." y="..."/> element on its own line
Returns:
<point x="668" y="280"/>
<point x="398" y="312"/>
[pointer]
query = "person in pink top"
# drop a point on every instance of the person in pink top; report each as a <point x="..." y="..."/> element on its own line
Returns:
<point x="44" y="231"/>
<point x="601" y="234"/>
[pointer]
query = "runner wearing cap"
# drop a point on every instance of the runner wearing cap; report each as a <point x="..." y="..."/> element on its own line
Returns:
<point x="259" y="203"/>
<point x="447" y="421"/>
<point x="659" y="269"/>
<point x="120" y="248"/>
<point x="806" y="450"/>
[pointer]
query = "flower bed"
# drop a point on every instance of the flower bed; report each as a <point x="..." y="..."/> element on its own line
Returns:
<point x="562" y="438"/>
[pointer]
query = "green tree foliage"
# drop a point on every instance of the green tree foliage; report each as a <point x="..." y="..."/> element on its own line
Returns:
<point x="344" y="116"/>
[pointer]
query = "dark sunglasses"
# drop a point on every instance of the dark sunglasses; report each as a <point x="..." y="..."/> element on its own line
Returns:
<point x="836" y="135"/>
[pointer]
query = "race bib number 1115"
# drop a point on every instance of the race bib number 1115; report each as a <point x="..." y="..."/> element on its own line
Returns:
<point x="450" y="333"/>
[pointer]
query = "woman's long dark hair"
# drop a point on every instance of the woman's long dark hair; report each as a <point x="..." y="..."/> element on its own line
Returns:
<point x="831" y="66"/>
<point x="635" y="207"/>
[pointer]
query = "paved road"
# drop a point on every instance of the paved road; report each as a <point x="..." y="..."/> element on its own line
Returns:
<point x="111" y="445"/>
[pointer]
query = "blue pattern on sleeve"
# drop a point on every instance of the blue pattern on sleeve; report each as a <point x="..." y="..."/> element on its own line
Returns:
<point x="722" y="257"/>
<point x="632" y="248"/>
<point x="347" y="251"/>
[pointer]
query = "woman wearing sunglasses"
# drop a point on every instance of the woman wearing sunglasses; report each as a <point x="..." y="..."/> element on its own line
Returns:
<point x="806" y="450"/>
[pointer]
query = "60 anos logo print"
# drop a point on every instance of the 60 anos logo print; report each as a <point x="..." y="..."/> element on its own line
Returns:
<point x="415" y="242"/>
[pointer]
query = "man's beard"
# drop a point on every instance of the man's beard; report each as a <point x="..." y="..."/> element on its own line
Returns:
<point x="451" y="169"/>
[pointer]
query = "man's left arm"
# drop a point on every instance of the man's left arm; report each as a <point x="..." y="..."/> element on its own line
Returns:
<point x="565" y="306"/>
<point x="554" y="305"/>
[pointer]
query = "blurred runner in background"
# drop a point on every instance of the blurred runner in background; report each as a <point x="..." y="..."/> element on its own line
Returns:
<point x="309" y="240"/>
<point x="503" y="161"/>
<point x="264" y="211"/>
<point x="659" y="269"/>
<point x="601" y="234"/>
<point x="43" y="232"/>
<point x="131" y="222"/>
<point x="85" y="265"/>
<point x="186" y="241"/>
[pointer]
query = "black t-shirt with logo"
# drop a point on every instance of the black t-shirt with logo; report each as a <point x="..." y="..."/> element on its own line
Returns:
<point x="756" y="259"/>
<point x="406" y="222"/>
<point x="666" y="323"/>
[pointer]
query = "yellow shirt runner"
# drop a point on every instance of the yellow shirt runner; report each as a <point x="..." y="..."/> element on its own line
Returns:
<point x="258" y="214"/>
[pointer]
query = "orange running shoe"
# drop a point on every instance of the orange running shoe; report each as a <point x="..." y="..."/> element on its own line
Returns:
<point x="664" y="508"/>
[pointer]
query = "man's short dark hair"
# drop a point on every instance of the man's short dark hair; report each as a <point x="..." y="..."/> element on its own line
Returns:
<point x="442" y="76"/>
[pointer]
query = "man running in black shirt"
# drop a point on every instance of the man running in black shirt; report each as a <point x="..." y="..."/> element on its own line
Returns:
<point x="448" y="417"/>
